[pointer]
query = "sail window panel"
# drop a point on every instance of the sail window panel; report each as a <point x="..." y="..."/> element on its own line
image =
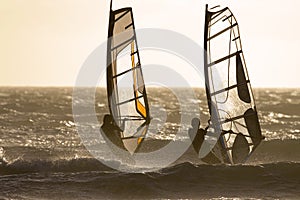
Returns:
<point x="219" y="82"/>
<point x="223" y="79"/>
<point x="123" y="60"/>
<point x="125" y="81"/>
<point x="220" y="47"/>
<point x="223" y="46"/>
<point x="125" y="89"/>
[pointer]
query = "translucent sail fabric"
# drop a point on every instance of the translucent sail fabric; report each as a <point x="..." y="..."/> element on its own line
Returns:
<point x="228" y="87"/>
<point x="126" y="91"/>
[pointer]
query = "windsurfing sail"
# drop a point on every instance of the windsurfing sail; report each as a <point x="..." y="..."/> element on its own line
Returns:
<point x="229" y="93"/>
<point x="127" y="97"/>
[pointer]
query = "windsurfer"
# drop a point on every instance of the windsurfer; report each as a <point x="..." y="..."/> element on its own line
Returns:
<point x="197" y="135"/>
<point x="111" y="131"/>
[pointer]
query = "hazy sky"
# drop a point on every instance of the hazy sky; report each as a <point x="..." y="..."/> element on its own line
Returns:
<point x="45" y="42"/>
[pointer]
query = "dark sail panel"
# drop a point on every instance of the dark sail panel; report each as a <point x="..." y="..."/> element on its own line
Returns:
<point x="240" y="149"/>
<point x="243" y="90"/>
<point x="253" y="126"/>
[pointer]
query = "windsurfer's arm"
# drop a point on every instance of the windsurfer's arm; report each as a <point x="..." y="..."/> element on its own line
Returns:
<point x="208" y="122"/>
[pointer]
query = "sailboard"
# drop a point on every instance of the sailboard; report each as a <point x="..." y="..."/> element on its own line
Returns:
<point x="228" y="88"/>
<point x="128" y="104"/>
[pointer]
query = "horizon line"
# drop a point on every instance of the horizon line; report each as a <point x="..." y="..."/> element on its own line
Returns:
<point x="68" y="86"/>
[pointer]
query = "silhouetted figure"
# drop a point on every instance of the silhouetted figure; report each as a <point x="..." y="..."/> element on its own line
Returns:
<point x="199" y="136"/>
<point x="110" y="130"/>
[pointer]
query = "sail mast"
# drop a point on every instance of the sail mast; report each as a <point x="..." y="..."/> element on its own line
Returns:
<point x="111" y="1"/>
<point x="207" y="86"/>
<point x="112" y="89"/>
<point x="108" y="64"/>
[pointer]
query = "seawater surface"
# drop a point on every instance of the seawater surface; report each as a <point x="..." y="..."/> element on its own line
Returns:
<point x="42" y="156"/>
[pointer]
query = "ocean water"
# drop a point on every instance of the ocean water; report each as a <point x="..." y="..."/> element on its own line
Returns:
<point x="42" y="156"/>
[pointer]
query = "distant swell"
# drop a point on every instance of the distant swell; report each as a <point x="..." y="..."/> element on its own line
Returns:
<point x="72" y="165"/>
<point x="286" y="170"/>
<point x="244" y="173"/>
<point x="275" y="154"/>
